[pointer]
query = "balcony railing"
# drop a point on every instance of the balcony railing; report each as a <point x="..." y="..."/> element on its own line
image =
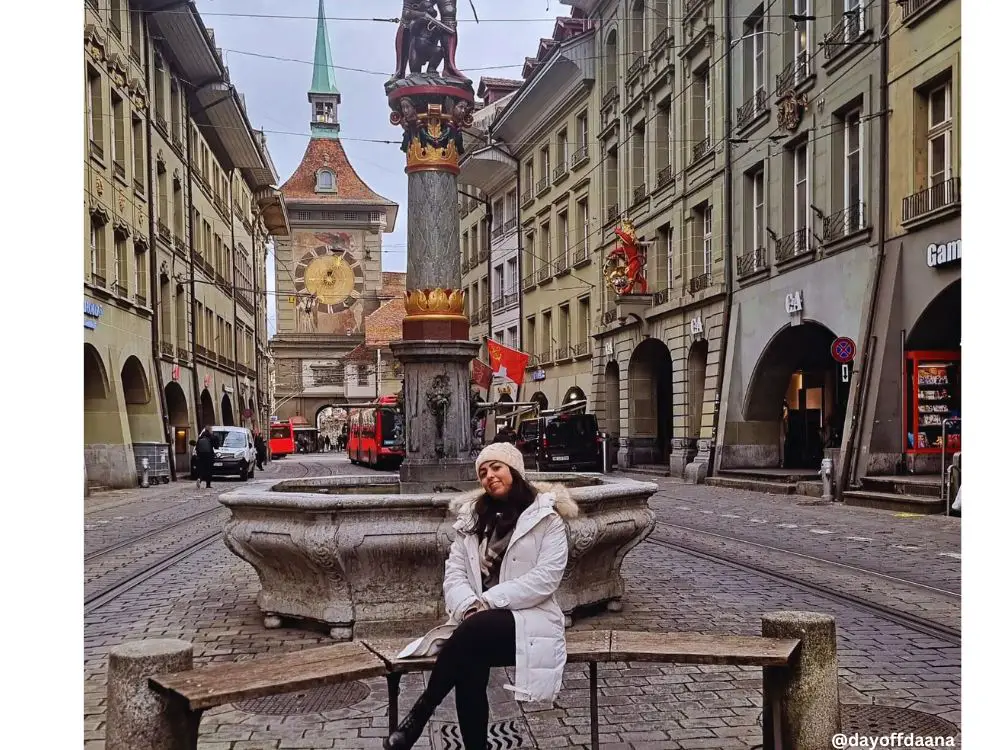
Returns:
<point x="844" y="33"/>
<point x="560" y="171"/>
<point x="612" y="214"/>
<point x="98" y="280"/>
<point x="163" y="230"/>
<point x="138" y="186"/>
<point x="161" y="122"/>
<point x="140" y="300"/>
<point x="497" y="230"/>
<point x="97" y="150"/>
<point x="580" y="350"/>
<point x="700" y="283"/>
<point x="936" y="197"/>
<point x="510" y="225"/>
<point x="484" y="254"/>
<point x="119" y="289"/>
<point x="638" y="193"/>
<point x="545" y="356"/>
<point x="661" y="39"/>
<point x="183" y="354"/>
<point x="664" y="175"/>
<point x="474" y="318"/>
<point x="542" y="185"/>
<point x="636" y="67"/>
<point x="661" y="296"/>
<point x="119" y="169"/>
<point x="690" y="6"/>
<point x="580" y="255"/>
<point x="610" y="95"/>
<point x="701" y="150"/>
<point x="579" y="156"/>
<point x="177" y="138"/>
<point x="484" y="312"/>
<point x="498" y="304"/>
<point x="794" y="73"/>
<point x="544" y="272"/>
<point x="166" y="348"/>
<point x="844" y="223"/>
<point x="528" y="281"/>
<point x="466" y="265"/>
<point x="752" y="262"/>
<point x="561" y="265"/>
<point x="527" y="196"/>
<point x="562" y="353"/>
<point x="752" y="107"/>
<point x="910" y="7"/>
<point x="209" y="269"/>
<point x="509" y="300"/>
<point x="793" y="245"/>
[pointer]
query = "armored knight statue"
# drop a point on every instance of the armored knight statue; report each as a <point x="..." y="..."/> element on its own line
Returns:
<point x="423" y="38"/>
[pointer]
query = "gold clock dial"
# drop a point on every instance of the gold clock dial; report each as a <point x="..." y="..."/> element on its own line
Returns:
<point x="330" y="278"/>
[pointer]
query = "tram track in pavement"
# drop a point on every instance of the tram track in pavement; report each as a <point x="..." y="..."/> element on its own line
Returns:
<point x="920" y="624"/>
<point x="111" y="548"/>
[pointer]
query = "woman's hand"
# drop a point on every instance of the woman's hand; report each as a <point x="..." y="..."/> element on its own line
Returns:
<point x="479" y="606"/>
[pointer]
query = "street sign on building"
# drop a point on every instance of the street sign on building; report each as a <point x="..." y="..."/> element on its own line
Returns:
<point x="843" y="349"/>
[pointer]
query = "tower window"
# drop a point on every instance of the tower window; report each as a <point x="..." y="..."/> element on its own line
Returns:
<point x="326" y="182"/>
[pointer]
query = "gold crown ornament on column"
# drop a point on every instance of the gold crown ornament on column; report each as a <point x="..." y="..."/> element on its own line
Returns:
<point x="435" y="304"/>
<point x="432" y="140"/>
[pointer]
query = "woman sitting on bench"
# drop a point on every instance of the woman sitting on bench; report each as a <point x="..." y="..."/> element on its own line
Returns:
<point x="502" y="572"/>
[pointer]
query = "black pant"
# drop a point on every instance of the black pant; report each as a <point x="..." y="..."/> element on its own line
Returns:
<point x="484" y="640"/>
<point x="205" y="469"/>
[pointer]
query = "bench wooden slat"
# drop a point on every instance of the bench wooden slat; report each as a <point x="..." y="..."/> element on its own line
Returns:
<point x="695" y="648"/>
<point x="587" y="645"/>
<point x="219" y="684"/>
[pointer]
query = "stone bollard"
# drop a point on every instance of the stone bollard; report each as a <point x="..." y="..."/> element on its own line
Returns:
<point x="139" y="717"/>
<point x="801" y="703"/>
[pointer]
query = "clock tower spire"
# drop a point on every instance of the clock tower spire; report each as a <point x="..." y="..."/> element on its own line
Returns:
<point x="323" y="94"/>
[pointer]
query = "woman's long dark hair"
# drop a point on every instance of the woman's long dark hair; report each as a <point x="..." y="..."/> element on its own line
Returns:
<point x="520" y="496"/>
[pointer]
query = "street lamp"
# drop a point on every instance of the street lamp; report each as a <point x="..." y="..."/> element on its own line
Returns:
<point x="736" y="41"/>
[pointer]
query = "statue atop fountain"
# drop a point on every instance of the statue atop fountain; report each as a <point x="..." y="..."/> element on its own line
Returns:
<point x="432" y="108"/>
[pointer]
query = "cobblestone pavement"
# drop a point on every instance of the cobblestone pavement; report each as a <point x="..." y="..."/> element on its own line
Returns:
<point x="209" y="598"/>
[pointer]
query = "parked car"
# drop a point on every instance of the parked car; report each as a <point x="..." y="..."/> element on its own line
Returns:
<point x="560" y="441"/>
<point x="235" y="455"/>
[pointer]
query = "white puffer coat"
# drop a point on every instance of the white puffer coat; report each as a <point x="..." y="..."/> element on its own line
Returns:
<point x="530" y="573"/>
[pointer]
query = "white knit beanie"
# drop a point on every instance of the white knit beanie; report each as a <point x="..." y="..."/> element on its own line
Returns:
<point x="504" y="453"/>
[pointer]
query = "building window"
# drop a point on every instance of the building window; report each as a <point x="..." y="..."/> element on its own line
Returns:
<point x="135" y="34"/>
<point x="663" y="138"/>
<point x="364" y="377"/>
<point x="853" y="172"/>
<point x="529" y="175"/>
<point x="176" y="117"/>
<point x="584" y="321"/>
<point x="637" y="28"/>
<point x="138" y="155"/>
<point x="563" y="225"/>
<point x="118" y="134"/>
<point x="498" y="283"/>
<point x="706" y="244"/>
<point x="180" y="318"/>
<point x="565" y="330"/>
<point x="546" y="248"/>
<point x="800" y="187"/>
<point x="754" y="202"/>
<point x="611" y="61"/>
<point x="801" y="39"/>
<point x="115" y="8"/>
<point x="529" y="254"/>
<point x="97" y="251"/>
<point x="325" y="181"/>
<point x="529" y="335"/>
<point x="512" y="336"/>
<point x="639" y="162"/>
<point x="96" y="101"/>
<point x="701" y="111"/>
<point x="755" y="47"/>
<point x="119" y="282"/>
<point x="178" y="210"/>
<point x="510" y="211"/>
<point x="583" y="228"/>
<point x="511" y="284"/>
<point x="141" y="277"/>
<point x="939" y="129"/>
<point x="159" y="100"/>
<point x="581" y="131"/>
<point x="562" y="155"/>
<point x="498" y="217"/>
<point x="544" y="164"/>
<point x="611" y="196"/>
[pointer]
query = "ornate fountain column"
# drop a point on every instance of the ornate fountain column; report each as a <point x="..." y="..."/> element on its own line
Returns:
<point x="435" y="351"/>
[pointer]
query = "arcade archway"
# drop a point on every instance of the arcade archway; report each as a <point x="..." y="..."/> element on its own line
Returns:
<point x="574" y="395"/>
<point x="651" y="401"/>
<point x="227" y="410"/>
<point x="797" y="386"/>
<point x="207" y="409"/>
<point x="697" y="366"/>
<point x="139" y="405"/>
<point x="612" y="399"/>
<point x="541" y="399"/>
<point x="180" y="423"/>
<point x="939" y="326"/>
<point x="101" y="423"/>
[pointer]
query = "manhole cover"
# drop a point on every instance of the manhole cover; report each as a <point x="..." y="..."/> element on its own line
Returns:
<point x="868" y="719"/>
<point x="502" y="735"/>
<point x="317" y="700"/>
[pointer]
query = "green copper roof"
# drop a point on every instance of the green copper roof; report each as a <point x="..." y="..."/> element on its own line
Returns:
<point x="324" y="80"/>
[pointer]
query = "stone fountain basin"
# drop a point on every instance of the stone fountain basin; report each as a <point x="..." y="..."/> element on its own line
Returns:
<point x="352" y="553"/>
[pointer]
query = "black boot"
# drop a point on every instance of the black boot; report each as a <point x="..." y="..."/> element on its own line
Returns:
<point x="411" y="727"/>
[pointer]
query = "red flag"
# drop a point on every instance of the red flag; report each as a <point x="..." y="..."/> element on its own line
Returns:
<point x="482" y="376"/>
<point x="507" y="362"/>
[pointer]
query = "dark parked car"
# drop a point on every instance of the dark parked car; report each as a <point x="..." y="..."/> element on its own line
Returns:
<point x="560" y="441"/>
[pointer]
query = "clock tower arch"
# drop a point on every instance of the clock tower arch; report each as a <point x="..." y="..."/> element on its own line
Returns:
<point x="328" y="270"/>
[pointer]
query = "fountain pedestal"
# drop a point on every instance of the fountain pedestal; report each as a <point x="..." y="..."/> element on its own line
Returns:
<point x="436" y="404"/>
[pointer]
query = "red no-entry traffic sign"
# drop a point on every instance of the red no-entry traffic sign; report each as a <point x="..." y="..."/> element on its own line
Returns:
<point x="844" y="349"/>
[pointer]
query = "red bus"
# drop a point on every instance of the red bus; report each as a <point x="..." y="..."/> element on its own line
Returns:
<point x="282" y="442"/>
<point x="375" y="434"/>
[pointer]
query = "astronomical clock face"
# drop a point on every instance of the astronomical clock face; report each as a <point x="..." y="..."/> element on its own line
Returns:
<point x="335" y="277"/>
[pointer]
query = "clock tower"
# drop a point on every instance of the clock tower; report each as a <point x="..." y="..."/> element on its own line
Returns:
<point x="329" y="269"/>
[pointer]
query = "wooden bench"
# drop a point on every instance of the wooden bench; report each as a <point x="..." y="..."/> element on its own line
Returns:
<point x="155" y="698"/>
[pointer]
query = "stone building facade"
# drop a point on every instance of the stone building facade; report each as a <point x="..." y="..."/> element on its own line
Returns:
<point x="545" y="128"/>
<point x="179" y="207"/>
<point x="329" y="269"/>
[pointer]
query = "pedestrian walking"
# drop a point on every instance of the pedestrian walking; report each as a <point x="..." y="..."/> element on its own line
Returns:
<point x="261" y="449"/>
<point x="205" y="455"/>
<point x="502" y="572"/>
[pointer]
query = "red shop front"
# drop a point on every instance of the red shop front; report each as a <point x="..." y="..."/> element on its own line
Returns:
<point x="932" y="402"/>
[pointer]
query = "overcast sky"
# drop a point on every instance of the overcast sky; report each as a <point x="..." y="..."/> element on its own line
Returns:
<point x="275" y="89"/>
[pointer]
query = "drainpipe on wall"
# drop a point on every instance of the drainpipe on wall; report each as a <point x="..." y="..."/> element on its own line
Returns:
<point x="154" y="274"/>
<point x="727" y="233"/>
<point x="256" y="315"/>
<point x="199" y="418"/>
<point x="232" y="286"/>
<point x="847" y="473"/>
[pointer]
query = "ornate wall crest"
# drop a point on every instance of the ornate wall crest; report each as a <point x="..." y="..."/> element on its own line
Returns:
<point x="790" y="110"/>
<point x="625" y="269"/>
<point x="94" y="42"/>
<point x="117" y="69"/>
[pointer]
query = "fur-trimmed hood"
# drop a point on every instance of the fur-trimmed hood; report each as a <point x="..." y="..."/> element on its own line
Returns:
<point x="553" y="495"/>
